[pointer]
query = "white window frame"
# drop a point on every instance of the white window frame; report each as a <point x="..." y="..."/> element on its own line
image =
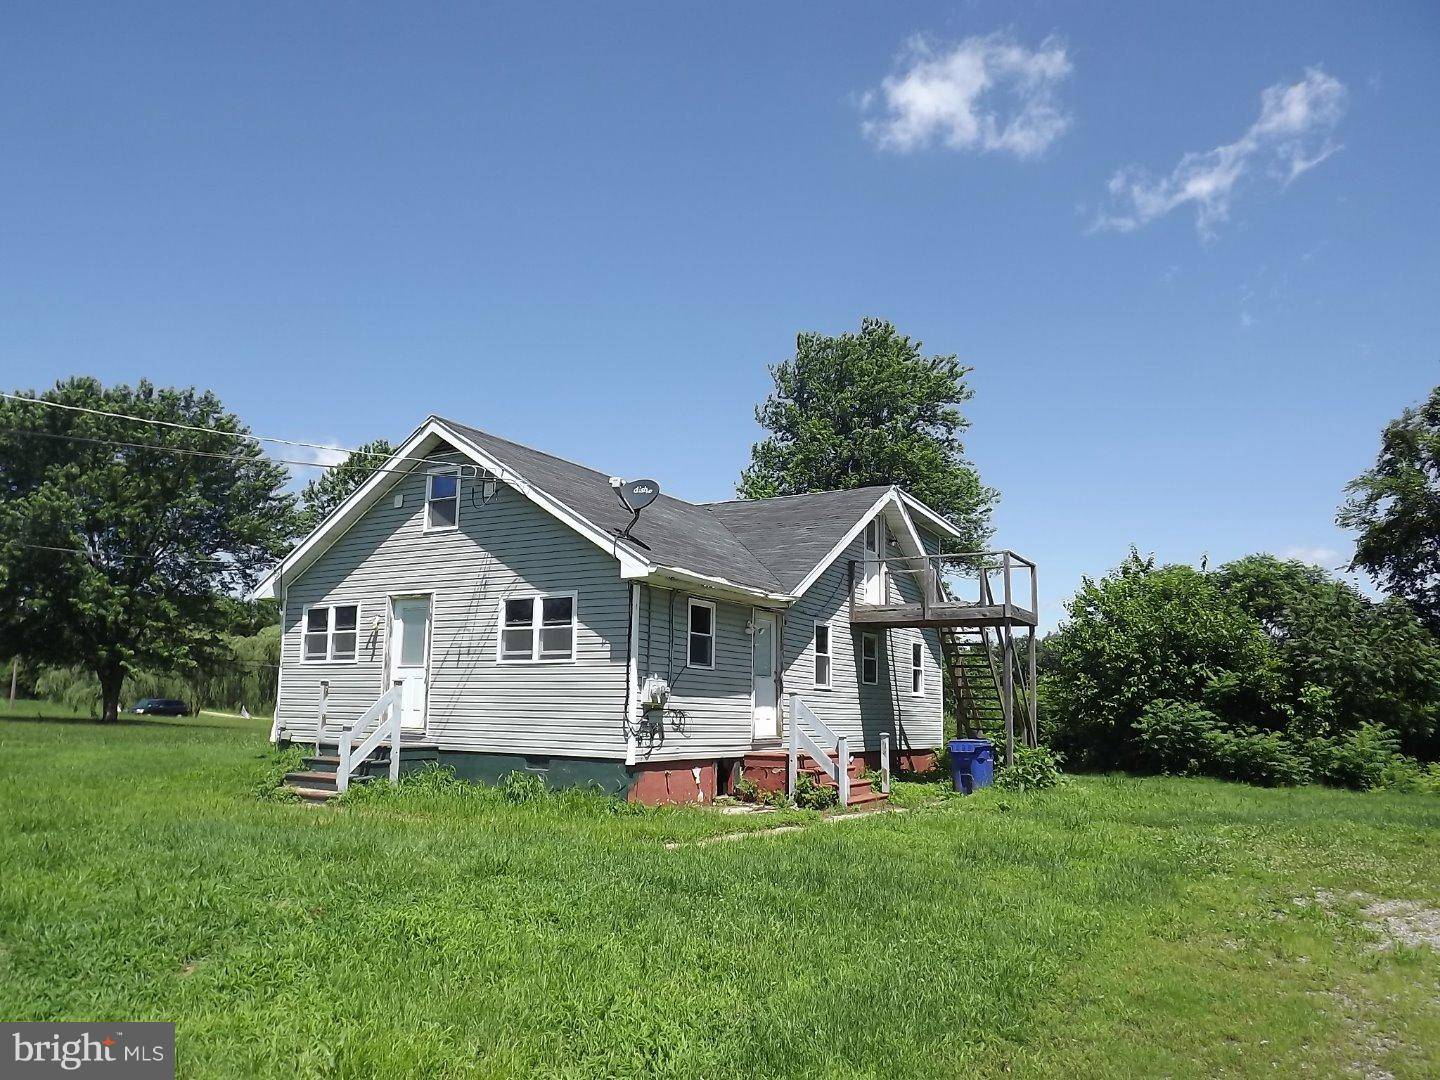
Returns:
<point x="828" y="654"/>
<point x="448" y="470"/>
<point x="329" y="657"/>
<point x="874" y="640"/>
<point x="537" y="623"/>
<point x="690" y="632"/>
<point x="917" y="668"/>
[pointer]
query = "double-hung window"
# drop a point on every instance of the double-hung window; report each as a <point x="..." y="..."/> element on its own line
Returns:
<point x="442" y="500"/>
<point x="538" y="628"/>
<point x="822" y="656"/>
<point x="700" y="652"/>
<point x="331" y="632"/>
<point x="869" y="659"/>
<point x="917" y="668"/>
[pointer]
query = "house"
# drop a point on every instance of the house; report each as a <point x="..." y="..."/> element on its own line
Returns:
<point x="506" y="604"/>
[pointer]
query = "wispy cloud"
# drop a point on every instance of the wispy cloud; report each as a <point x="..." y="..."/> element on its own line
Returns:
<point x="983" y="93"/>
<point x="310" y="457"/>
<point x="1294" y="133"/>
<point x="1315" y="556"/>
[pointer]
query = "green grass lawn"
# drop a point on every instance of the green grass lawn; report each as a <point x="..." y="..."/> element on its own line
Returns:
<point x="1116" y="927"/>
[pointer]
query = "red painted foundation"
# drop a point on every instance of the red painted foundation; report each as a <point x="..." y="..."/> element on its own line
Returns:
<point x="667" y="782"/>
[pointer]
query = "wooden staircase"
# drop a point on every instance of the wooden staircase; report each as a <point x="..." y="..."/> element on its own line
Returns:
<point x="766" y="769"/>
<point x="315" y="784"/>
<point x="974" y="679"/>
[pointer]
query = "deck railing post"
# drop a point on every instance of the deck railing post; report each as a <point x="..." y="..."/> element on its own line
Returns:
<point x="1033" y="703"/>
<point x="1005" y="569"/>
<point x="1007" y="649"/>
<point x="842" y="778"/>
<point x="885" y="763"/>
<point x="792" y="765"/>
<point x="342" y="768"/>
<point x="397" y="708"/>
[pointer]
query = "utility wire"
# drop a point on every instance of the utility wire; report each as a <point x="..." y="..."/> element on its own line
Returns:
<point x="191" y="452"/>
<point x="92" y="554"/>
<point x="203" y="430"/>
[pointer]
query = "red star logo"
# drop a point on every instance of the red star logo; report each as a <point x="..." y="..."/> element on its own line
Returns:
<point x="107" y="1041"/>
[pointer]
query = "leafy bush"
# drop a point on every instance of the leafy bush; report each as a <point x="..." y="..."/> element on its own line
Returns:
<point x="1034" y="769"/>
<point x="1358" y="759"/>
<point x="748" y="791"/>
<point x="1177" y="737"/>
<point x="1266" y="758"/>
<point x="810" y="794"/>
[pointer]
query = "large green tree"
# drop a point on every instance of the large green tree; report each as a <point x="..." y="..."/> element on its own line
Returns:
<point x="323" y="494"/>
<point x="1395" y="508"/>
<point x="121" y="543"/>
<point x="856" y="409"/>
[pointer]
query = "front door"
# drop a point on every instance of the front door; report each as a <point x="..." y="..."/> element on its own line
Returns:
<point x="762" y="664"/>
<point x="410" y="655"/>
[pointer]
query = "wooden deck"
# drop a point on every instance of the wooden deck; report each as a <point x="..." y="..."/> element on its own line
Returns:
<point x="940" y="614"/>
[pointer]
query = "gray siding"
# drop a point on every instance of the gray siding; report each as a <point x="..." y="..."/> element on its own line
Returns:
<point x="507" y="547"/>
<point x="851" y="708"/>
<point x="718" y="720"/>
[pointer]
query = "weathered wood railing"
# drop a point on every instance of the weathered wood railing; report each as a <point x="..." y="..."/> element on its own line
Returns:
<point x="387" y="710"/>
<point x="838" y="769"/>
<point x="972" y="578"/>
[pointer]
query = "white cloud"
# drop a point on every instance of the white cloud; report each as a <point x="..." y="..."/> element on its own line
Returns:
<point x="302" y="460"/>
<point x="984" y="93"/>
<point x="1315" y="556"/>
<point x="1293" y="134"/>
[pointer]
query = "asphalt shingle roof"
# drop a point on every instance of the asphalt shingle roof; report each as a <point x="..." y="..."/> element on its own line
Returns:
<point x="768" y="544"/>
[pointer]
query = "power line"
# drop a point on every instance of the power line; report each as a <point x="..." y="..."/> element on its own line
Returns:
<point x="203" y="430"/>
<point x="93" y="554"/>
<point x="192" y="452"/>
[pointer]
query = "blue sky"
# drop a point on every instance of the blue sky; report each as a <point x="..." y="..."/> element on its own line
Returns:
<point x="1191" y="251"/>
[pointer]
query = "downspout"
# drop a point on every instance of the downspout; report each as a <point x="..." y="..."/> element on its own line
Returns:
<point x="631" y="677"/>
<point x="279" y="671"/>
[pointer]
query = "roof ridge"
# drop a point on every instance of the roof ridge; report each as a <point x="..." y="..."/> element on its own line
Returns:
<point x="798" y="495"/>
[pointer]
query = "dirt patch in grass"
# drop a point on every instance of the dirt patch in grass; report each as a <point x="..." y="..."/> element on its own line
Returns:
<point x="1411" y="923"/>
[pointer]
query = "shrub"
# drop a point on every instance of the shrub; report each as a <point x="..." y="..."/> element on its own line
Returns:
<point x="1177" y="738"/>
<point x="810" y="794"/>
<point x="1256" y="757"/>
<point x="1034" y="769"/>
<point x="1358" y="759"/>
<point x="748" y="791"/>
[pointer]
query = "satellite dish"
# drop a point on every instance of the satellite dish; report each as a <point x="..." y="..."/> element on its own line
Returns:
<point x="638" y="494"/>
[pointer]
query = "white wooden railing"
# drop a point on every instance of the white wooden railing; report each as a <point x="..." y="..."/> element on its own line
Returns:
<point x="387" y="711"/>
<point x="838" y="768"/>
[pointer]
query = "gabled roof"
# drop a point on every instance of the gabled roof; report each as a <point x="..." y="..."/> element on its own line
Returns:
<point x="671" y="532"/>
<point x="767" y="547"/>
<point x="793" y="533"/>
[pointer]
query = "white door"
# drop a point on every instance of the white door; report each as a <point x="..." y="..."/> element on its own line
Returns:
<point x="767" y="721"/>
<point x="873" y="589"/>
<point x="409" y="656"/>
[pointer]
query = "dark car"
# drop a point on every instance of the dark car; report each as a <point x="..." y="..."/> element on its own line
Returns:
<point x="161" y="706"/>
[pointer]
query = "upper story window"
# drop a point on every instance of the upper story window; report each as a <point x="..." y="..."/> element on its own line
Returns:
<point x="700" y="652"/>
<point x="917" y="667"/>
<point x="331" y="632"/>
<point x="822" y="656"/>
<point x="442" y="500"/>
<point x="869" y="659"/>
<point x="538" y="629"/>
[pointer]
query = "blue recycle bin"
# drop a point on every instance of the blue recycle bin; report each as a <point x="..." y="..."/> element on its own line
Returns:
<point x="972" y="764"/>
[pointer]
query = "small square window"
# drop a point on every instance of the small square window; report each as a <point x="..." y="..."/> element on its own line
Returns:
<point x="538" y="628"/>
